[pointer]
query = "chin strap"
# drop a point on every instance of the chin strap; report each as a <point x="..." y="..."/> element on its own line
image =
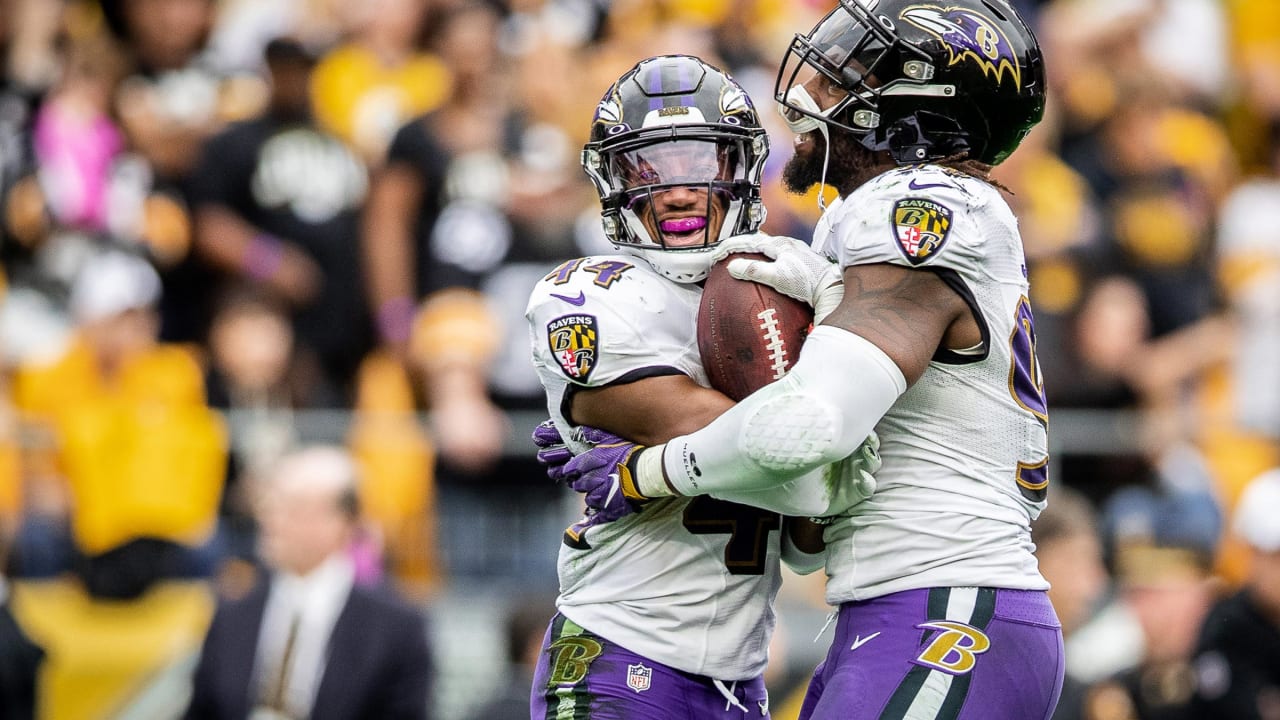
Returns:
<point x="826" y="161"/>
<point x="910" y="142"/>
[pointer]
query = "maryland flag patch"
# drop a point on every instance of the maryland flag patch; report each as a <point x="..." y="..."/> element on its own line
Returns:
<point x="574" y="342"/>
<point x="921" y="227"/>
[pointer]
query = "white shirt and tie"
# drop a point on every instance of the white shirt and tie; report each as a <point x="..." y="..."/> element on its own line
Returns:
<point x="298" y="621"/>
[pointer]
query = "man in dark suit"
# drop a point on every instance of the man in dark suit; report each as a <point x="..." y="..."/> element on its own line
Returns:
<point x="307" y="642"/>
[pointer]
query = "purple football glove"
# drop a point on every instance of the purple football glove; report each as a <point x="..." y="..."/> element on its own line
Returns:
<point x="552" y="452"/>
<point x="604" y="476"/>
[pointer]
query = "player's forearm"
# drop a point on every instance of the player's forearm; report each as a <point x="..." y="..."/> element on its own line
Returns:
<point x="651" y="410"/>
<point x="820" y="412"/>
<point x="811" y="494"/>
<point x="803" y="549"/>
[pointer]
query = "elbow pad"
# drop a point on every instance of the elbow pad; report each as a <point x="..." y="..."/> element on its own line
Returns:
<point x="820" y="412"/>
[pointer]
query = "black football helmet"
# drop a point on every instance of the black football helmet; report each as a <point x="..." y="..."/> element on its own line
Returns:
<point x="674" y="121"/>
<point x="926" y="80"/>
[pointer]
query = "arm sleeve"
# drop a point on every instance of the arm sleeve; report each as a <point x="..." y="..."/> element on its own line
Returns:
<point x="808" y="494"/>
<point x="819" y="413"/>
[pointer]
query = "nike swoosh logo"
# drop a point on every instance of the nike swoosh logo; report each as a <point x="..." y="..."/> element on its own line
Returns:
<point x="859" y="641"/>
<point x="613" y="488"/>
<point x="925" y="186"/>
<point x="579" y="300"/>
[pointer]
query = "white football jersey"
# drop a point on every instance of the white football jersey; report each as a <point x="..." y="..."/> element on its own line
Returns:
<point x="688" y="582"/>
<point x="965" y="449"/>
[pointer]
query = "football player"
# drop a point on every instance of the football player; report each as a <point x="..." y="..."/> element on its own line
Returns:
<point x="666" y="613"/>
<point x="904" y="106"/>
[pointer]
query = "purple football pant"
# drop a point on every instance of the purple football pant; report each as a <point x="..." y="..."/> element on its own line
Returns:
<point x="941" y="654"/>
<point x="582" y="676"/>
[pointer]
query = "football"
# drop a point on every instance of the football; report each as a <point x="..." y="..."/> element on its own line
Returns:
<point x="748" y="334"/>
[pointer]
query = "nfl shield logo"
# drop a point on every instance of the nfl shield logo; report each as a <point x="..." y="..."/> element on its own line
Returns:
<point x="638" y="677"/>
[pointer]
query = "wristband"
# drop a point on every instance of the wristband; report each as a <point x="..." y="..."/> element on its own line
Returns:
<point x="650" y="479"/>
<point x="263" y="256"/>
<point x="395" y="319"/>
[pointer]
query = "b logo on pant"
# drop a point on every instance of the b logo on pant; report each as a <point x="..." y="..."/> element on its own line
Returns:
<point x="955" y="649"/>
<point x="571" y="658"/>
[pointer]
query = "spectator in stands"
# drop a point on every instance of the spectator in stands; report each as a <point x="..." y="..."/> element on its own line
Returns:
<point x="1096" y="358"/>
<point x="28" y="65"/>
<point x="1162" y="545"/>
<point x="87" y="188"/>
<point x="1241" y="420"/>
<point x="171" y="102"/>
<point x="276" y="201"/>
<point x="256" y="374"/>
<point x="1238" y="657"/>
<point x="1159" y="164"/>
<point x="437" y="335"/>
<point x="308" y="641"/>
<point x="427" y="249"/>
<point x="369" y="86"/>
<point x="1249" y="265"/>
<point x="130" y="454"/>
<point x="476" y="202"/>
<point x="76" y="141"/>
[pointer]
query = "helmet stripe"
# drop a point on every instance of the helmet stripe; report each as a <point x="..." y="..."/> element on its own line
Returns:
<point x="655" y="91"/>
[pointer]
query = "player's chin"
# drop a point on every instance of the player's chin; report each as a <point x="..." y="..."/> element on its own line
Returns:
<point x="697" y="238"/>
<point x="802" y="171"/>
<point x="806" y="142"/>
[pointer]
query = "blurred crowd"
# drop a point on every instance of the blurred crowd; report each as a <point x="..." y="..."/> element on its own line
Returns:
<point x="230" y="228"/>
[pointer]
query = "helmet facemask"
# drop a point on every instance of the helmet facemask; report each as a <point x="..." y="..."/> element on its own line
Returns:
<point x="689" y="177"/>
<point x="925" y="80"/>
<point x="672" y="202"/>
<point x="855" y="52"/>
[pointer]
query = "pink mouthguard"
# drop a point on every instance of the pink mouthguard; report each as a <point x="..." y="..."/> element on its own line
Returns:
<point x="684" y="225"/>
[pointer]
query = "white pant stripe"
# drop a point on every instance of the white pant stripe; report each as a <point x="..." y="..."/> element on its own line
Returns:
<point x="960" y="605"/>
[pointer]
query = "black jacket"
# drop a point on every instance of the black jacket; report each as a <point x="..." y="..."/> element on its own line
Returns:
<point x="378" y="666"/>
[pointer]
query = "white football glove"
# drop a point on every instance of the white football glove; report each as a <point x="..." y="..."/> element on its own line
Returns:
<point x="795" y="270"/>
<point x="856" y="478"/>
